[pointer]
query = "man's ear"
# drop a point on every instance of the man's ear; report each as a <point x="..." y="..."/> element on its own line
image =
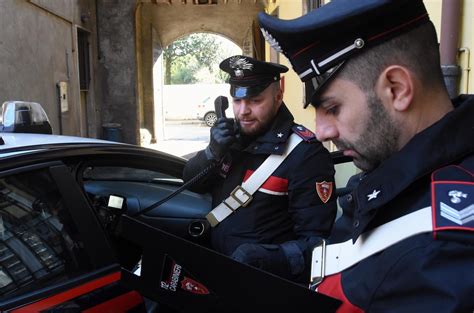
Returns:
<point x="396" y="86"/>
<point x="279" y="95"/>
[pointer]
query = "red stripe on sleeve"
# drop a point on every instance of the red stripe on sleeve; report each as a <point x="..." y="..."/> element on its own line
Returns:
<point x="273" y="183"/>
<point x="332" y="286"/>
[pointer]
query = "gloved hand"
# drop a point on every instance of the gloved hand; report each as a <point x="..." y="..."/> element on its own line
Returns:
<point x="264" y="256"/>
<point x="223" y="135"/>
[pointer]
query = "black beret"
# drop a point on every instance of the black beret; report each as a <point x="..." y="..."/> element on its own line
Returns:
<point x="249" y="76"/>
<point x="318" y="43"/>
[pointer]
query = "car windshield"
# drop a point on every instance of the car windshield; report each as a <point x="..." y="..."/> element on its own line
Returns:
<point x="125" y="174"/>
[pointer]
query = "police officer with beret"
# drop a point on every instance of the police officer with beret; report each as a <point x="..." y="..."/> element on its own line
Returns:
<point x="372" y="72"/>
<point x="293" y="206"/>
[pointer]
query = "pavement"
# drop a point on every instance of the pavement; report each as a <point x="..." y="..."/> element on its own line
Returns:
<point x="186" y="138"/>
<point x="185" y="122"/>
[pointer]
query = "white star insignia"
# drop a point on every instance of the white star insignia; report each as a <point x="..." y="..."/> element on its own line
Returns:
<point x="373" y="195"/>
<point x="279" y="135"/>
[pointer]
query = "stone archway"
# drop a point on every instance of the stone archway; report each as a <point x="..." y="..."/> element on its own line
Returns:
<point x="186" y="80"/>
<point x="160" y="22"/>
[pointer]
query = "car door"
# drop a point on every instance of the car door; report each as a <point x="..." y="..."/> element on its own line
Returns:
<point x="54" y="255"/>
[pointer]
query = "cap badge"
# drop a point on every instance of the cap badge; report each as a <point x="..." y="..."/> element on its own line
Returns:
<point x="279" y="135"/>
<point x="239" y="64"/>
<point x="271" y="41"/>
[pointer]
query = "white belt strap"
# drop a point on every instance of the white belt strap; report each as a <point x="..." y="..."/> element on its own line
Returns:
<point x="242" y="195"/>
<point x="335" y="258"/>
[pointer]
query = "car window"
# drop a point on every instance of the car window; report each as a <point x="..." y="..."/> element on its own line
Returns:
<point x="126" y="174"/>
<point x="39" y="243"/>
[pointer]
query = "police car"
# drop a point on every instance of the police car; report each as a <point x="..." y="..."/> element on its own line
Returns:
<point x="88" y="225"/>
<point x="61" y="199"/>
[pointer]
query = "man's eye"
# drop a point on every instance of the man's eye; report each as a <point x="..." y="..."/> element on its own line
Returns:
<point x="333" y="110"/>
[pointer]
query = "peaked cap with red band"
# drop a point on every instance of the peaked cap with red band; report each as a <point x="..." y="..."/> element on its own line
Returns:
<point x="318" y="43"/>
<point x="248" y="76"/>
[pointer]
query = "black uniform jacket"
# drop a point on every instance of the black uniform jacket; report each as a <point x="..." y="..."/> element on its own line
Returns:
<point x="287" y="209"/>
<point x="429" y="272"/>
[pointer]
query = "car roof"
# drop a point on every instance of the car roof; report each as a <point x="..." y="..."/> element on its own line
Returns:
<point x="15" y="140"/>
<point x="21" y="142"/>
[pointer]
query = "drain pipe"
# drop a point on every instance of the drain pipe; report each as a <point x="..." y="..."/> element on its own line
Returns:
<point x="450" y="20"/>
<point x="467" y="68"/>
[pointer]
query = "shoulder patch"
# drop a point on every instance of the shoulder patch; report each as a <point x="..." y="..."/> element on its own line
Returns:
<point x="304" y="133"/>
<point x="452" y="191"/>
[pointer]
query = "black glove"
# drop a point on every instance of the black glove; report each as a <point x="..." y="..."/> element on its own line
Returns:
<point x="223" y="135"/>
<point x="264" y="256"/>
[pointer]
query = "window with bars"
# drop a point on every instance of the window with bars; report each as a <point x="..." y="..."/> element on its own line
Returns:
<point x="313" y="4"/>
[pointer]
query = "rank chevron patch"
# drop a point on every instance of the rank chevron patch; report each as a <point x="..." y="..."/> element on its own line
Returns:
<point x="461" y="217"/>
<point x="453" y="205"/>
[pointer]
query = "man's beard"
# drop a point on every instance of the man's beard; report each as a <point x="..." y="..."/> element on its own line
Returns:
<point x="261" y="128"/>
<point x="378" y="141"/>
<point x="255" y="132"/>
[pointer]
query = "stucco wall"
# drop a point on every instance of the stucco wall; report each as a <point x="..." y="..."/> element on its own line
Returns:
<point x="466" y="39"/>
<point x="37" y="50"/>
<point x="293" y="97"/>
<point x="117" y="66"/>
<point x="466" y="57"/>
<point x="293" y="87"/>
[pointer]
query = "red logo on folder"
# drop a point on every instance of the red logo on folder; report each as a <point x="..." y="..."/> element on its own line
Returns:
<point x="193" y="286"/>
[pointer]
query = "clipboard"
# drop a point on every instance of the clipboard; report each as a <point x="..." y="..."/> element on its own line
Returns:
<point x="191" y="278"/>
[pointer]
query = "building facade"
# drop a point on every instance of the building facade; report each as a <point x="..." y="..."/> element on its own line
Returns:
<point x="89" y="63"/>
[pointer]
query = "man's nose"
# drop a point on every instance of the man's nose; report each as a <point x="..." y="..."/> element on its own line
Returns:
<point x="325" y="130"/>
<point x="244" y="107"/>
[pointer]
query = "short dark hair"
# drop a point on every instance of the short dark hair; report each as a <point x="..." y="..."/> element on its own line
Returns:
<point x="417" y="50"/>
<point x="276" y="85"/>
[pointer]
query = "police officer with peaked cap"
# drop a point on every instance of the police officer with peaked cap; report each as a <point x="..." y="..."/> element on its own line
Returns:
<point x="294" y="207"/>
<point x="372" y="73"/>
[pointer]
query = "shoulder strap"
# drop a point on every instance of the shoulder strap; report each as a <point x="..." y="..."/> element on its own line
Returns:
<point x="451" y="209"/>
<point x="304" y="133"/>
<point x="242" y="195"/>
<point x="335" y="258"/>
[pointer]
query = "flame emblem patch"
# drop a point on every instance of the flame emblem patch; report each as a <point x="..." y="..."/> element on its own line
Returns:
<point x="193" y="286"/>
<point x="324" y="190"/>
